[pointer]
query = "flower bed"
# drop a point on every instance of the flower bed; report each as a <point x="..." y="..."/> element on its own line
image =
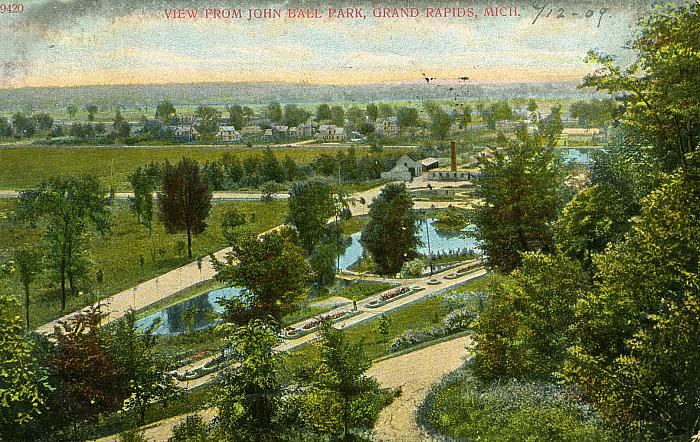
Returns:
<point x="393" y="295"/>
<point x="312" y="324"/>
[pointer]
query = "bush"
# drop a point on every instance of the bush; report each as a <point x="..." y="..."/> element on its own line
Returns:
<point x="413" y="268"/>
<point x="132" y="436"/>
<point x="465" y="408"/>
<point x="193" y="429"/>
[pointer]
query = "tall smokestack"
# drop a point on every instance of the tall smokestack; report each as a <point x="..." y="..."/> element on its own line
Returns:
<point x="454" y="157"/>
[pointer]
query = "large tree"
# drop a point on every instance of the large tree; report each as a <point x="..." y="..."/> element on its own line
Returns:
<point x="636" y="356"/>
<point x="144" y="181"/>
<point x="86" y="378"/>
<point x="341" y="398"/>
<point x="68" y="206"/>
<point x="407" y="117"/>
<point x="274" y="112"/>
<point x="372" y="112"/>
<point x="185" y="199"/>
<point x="391" y="234"/>
<point x="338" y="116"/>
<point x="236" y="118"/>
<point x="311" y="204"/>
<point x="595" y="217"/>
<point x="660" y="88"/>
<point x="323" y="113"/>
<point x="207" y="122"/>
<point x="295" y="115"/>
<point x="91" y="110"/>
<point x="520" y="189"/>
<point x="440" y="120"/>
<point x="523" y="330"/>
<point x="166" y="111"/>
<point x="144" y="374"/>
<point x="272" y="270"/>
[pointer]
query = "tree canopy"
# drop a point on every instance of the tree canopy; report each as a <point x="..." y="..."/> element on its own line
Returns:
<point x="185" y="199"/>
<point x="391" y="234"/>
<point x="659" y="89"/>
<point x="311" y="204"/>
<point x="521" y="192"/>
<point x="273" y="271"/>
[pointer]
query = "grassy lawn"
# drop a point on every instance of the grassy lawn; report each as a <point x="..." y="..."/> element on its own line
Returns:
<point x="118" y="254"/>
<point x="26" y="166"/>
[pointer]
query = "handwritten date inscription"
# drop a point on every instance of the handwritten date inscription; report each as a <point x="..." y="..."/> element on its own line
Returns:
<point x="550" y="10"/>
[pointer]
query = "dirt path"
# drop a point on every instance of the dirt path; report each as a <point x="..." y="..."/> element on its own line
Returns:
<point x="415" y="373"/>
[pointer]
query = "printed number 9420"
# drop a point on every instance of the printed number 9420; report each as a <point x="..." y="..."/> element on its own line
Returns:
<point x="15" y="8"/>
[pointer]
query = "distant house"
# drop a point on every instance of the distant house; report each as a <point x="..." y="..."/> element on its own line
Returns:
<point x="429" y="164"/>
<point x="280" y="131"/>
<point x="387" y="126"/>
<point x="135" y="127"/>
<point x="329" y="132"/>
<point x="268" y="133"/>
<point x="184" y="133"/>
<point x="307" y="130"/>
<point x="228" y="134"/>
<point x="406" y="169"/>
<point x="357" y="137"/>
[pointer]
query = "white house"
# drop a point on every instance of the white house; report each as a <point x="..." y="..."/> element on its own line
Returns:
<point x="228" y="134"/>
<point x="406" y="169"/>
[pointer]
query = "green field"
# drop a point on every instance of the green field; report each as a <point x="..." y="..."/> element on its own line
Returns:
<point x="118" y="254"/>
<point x="24" y="167"/>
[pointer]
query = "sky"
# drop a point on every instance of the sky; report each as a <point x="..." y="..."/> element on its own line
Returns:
<point x="92" y="42"/>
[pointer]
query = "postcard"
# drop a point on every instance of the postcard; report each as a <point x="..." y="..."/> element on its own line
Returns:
<point x="349" y="221"/>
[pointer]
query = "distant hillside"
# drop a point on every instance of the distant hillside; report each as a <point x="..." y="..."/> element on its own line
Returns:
<point x="259" y="93"/>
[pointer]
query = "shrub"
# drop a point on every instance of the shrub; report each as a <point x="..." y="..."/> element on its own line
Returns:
<point x="463" y="407"/>
<point x="193" y="429"/>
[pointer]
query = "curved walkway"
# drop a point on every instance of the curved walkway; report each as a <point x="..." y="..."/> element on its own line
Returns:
<point x="414" y="373"/>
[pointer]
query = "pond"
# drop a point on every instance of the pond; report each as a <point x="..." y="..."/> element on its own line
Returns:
<point x="440" y="243"/>
<point x="172" y="318"/>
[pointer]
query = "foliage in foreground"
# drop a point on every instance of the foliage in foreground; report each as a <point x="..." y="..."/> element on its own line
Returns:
<point x="21" y="395"/>
<point x="636" y="355"/>
<point x="464" y="407"/>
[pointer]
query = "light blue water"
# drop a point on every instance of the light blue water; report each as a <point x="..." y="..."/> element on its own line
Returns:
<point x="440" y="243"/>
<point x="577" y="156"/>
<point x="171" y="318"/>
